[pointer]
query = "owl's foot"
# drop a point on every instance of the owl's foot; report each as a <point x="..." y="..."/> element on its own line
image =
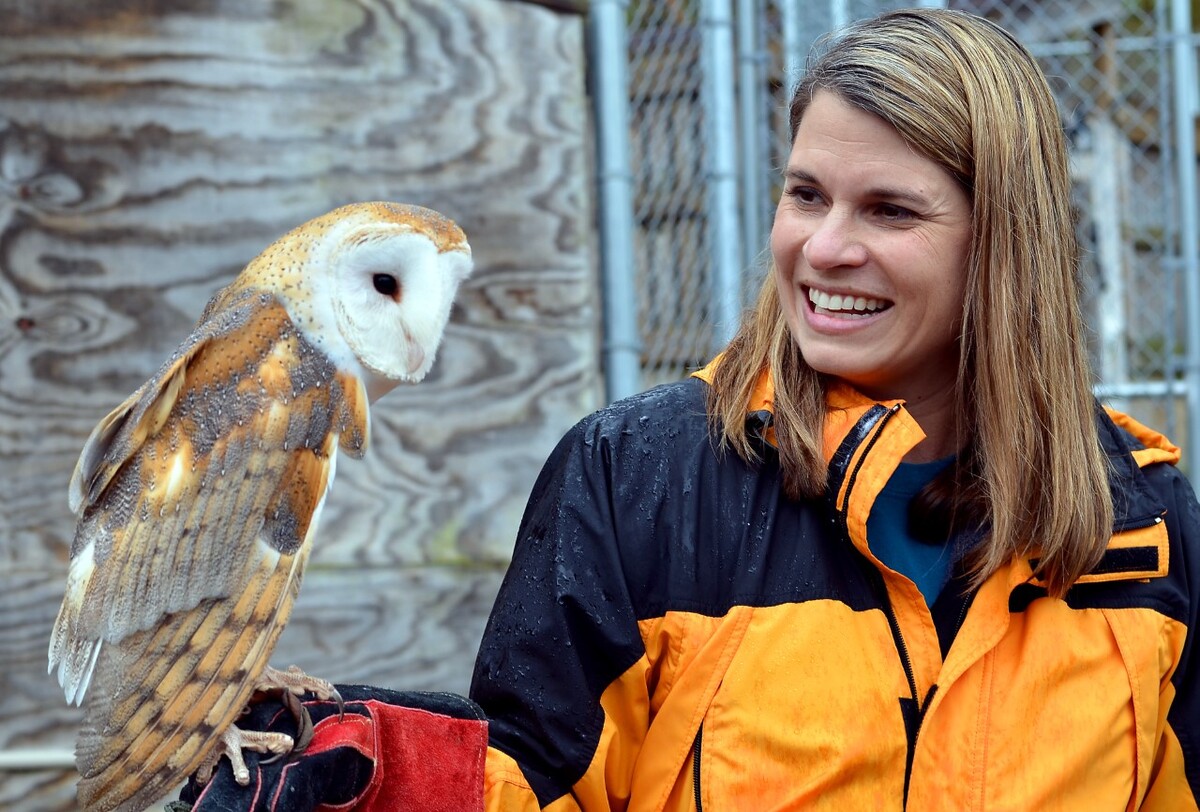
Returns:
<point x="292" y="683"/>
<point x="296" y="682"/>
<point x="233" y="742"/>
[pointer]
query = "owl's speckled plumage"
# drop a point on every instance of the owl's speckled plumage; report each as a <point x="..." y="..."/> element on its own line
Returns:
<point x="198" y="496"/>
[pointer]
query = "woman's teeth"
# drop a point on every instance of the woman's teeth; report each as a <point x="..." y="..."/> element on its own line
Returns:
<point x="836" y="304"/>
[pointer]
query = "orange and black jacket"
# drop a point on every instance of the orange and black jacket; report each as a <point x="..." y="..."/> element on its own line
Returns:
<point x="676" y="634"/>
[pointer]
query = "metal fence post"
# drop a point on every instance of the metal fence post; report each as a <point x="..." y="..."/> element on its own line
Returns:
<point x="839" y="14"/>
<point x="721" y="173"/>
<point x="1184" y="63"/>
<point x="751" y="63"/>
<point x="622" y="339"/>
<point x="793" y="56"/>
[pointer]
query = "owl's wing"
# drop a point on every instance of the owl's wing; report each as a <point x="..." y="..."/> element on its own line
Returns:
<point x="199" y="498"/>
<point x="126" y="428"/>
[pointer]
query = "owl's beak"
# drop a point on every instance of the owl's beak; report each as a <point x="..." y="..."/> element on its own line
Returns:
<point x="416" y="357"/>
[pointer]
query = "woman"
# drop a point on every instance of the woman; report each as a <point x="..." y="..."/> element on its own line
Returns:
<point x="884" y="552"/>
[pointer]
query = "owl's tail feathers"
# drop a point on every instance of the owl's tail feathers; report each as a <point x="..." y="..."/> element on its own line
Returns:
<point x="150" y="721"/>
<point x="166" y="694"/>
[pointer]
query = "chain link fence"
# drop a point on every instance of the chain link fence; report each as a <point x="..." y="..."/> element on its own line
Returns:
<point x="705" y="100"/>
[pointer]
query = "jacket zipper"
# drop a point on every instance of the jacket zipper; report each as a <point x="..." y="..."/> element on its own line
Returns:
<point x="876" y="578"/>
<point x="962" y="615"/>
<point x="893" y="623"/>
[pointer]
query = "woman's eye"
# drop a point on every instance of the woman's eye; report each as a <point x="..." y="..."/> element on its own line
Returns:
<point x="804" y="194"/>
<point x="889" y="211"/>
<point x="386" y="284"/>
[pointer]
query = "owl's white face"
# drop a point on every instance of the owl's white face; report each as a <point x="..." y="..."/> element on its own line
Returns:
<point x="370" y="284"/>
<point x="392" y="292"/>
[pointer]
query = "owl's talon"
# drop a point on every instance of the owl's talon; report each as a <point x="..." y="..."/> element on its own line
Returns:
<point x="293" y="682"/>
<point x="233" y="741"/>
<point x="336" y="697"/>
<point x="304" y="725"/>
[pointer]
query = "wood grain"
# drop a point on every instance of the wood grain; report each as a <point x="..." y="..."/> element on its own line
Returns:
<point x="177" y="155"/>
<point x="148" y="150"/>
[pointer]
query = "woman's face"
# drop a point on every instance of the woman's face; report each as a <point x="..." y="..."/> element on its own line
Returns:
<point x="870" y="244"/>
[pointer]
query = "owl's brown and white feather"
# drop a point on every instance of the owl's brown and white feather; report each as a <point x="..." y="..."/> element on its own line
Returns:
<point x="198" y="497"/>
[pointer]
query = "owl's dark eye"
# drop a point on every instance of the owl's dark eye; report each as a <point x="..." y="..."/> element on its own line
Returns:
<point x="386" y="284"/>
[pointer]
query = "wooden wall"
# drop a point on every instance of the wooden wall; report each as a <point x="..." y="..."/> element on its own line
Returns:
<point x="148" y="149"/>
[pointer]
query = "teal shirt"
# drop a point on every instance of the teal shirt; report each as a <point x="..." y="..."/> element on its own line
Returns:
<point x="926" y="565"/>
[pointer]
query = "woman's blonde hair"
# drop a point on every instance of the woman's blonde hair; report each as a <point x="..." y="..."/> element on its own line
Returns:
<point x="965" y="94"/>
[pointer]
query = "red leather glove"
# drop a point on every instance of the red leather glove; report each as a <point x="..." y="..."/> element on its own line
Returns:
<point x="390" y="751"/>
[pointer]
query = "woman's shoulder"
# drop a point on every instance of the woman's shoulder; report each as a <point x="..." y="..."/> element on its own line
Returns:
<point x="1125" y="433"/>
<point x="1141" y="459"/>
<point x="666" y="410"/>
<point x="1145" y="481"/>
<point x="657" y="435"/>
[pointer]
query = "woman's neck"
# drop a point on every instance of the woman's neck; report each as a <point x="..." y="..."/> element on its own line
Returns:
<point x="937" y="415"/>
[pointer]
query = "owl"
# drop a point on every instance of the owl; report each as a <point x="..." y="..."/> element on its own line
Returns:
<point x="198" y="497"/>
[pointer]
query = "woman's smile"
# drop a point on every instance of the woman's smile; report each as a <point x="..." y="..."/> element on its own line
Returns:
<point x="852" y="306"/>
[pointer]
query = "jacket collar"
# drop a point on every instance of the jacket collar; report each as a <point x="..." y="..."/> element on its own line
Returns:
<point x="1131" y="446"/>
<point x="843" y="422"/>
<point x="1138" y="546"/>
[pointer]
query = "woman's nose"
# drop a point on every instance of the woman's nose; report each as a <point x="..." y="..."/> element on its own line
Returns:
<point x="835" y="243"/>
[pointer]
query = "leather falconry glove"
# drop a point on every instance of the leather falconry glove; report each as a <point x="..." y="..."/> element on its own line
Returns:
<point x="385" y="750"/>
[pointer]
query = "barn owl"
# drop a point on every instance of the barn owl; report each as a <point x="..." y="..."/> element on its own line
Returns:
<point x="198" y="497"/>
